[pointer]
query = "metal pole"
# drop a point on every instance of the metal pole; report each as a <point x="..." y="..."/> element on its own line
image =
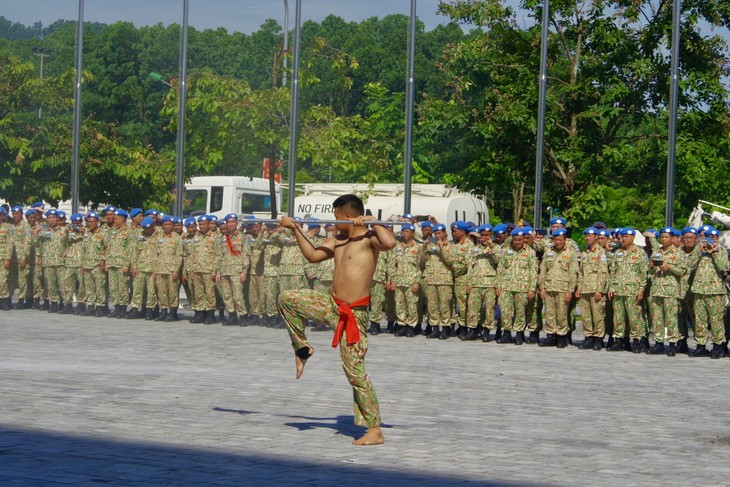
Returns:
<point x="408" y="156"/>
<point x="286" y="41"/>
<point x="540" y="153"/>
<point x="77" y="110"/>
<point x="179" y="167"/>
<point x="673" y="94"/>
<point x="294" y="108"/>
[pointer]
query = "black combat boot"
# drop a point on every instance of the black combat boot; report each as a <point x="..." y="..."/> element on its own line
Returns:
<point x="561" y="341"/>
<point x="162" y="316"/>
<point x="100" y="311"/>
<point x="534" y="337"/>
<point x="700" y="351"/>
<point x="232" y="319"/>
<point x="657" y="349"/>
<point x="222" y="315"/>
<point x="53" y="308"/>
<point x="506" y="337"/>
<point x="519" y="338"/>
<point x="171" y="316"/>
<point x="46" y="305"/>
<point x="122" y="313"/>
<point x="635" y="346"/>
<point x="409" y="331"/>
<point x="717" y="351"/>
<point x="37" y="303"/>
<point x="550" y="340"/>
<point x="486" y="337"/>
<point x="498" y="333"/>
<point x="5" y="304"/>
<point x="597" y="343"/>
<point x="587" y="344"/>
<point x="644" y="344"/>
<point x="374" y="328"/>
<point x="198" y="317"/>
<point x="81" y="309"/>
<point x="435" y="332"/>
<point x="445" y="333"/>
<point x="617" y="346"/>
<point x="427" y="332"/>
<point x="390" y="328"/>
<point x="682" y="346"/>
<point x="210" y="317"/>
<point x="20" y="304"/>
<point x="133" y="314"/>
<point x="671" y="349"/>
<point x="90" y="311"/>
<point x="400" y="330"/>
<point x="470" y="335"/>
<point x="68" y="309"/>
<point x="418" y="329"/>
<point x="243" y="320"/>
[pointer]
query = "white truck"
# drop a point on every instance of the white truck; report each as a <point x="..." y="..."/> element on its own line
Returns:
<point x="221" y="195"/>
<point x="443" y="202"/>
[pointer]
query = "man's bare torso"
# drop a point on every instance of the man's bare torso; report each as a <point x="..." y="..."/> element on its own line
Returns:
<point x="355" y="260"/>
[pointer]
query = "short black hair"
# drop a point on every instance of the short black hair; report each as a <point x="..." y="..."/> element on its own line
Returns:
<point x="351" y="203"/>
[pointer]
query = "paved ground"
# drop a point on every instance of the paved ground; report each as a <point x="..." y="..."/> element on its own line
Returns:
<point x="122" y="402"/>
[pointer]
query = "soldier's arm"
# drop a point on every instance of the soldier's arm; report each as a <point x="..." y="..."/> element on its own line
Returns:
<point x="574" y="272"/>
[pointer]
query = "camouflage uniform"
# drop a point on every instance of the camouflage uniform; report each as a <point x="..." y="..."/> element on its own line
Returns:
<point x="459" y="261"/>
<point x="516" y="277"/>
<point x="686" y="302"/>
<point x="22" y="243"/>
<point x="708" y="293"/>
<point x="291" y="263"/>
<point x="205" y="264"/>
<point x="593" y="278"/>
<point x="272" y="257"/>
<point x="94" y="254"/>
<point x="188" y="244"/>
<point x="300" y="305"/>
<point x="629" y="274"/>
<point x="73" y="279"/>
<point x="6" y="254"/>
<point x="144" y="260"/>
<point x="664" y="295"/>
<point x="255" y="249"/>
<point x="377" y="289"/>
<point x="169" y="262"/>
<point x="120" y="245"/>
<point x="558" y="277"/>
<point x="234" y="261"/>
<point x="323" y="271"/>
<point x="55" y="241"/>
<point x="406" y="273"/>
<point x="36" y="258"/>
<point x="438" y="283"/>
<point x="483" y="283"/>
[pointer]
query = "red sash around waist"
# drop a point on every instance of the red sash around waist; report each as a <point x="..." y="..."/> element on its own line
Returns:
<point x="347" y="323"/>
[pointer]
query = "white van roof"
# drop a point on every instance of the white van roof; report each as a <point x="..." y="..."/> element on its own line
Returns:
<point x="231" y="181"/>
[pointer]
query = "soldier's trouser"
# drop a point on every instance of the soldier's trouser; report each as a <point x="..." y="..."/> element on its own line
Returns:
<point x="271" y="294"/>
<point x="460" y="298"/>
<point x="512" y="306"/>
<point x="377" y="298"/>
<point x="118" y="287"/>
<point x="709" y="309"/>
<point x="289" y="282"/>
<point x="300" y="305"/>
<point x="73" y="282"/>
<point x="664" y="313"/>
<point x="556" y="314"/>
<point x="478" y="297"/>
<point x="325" y="286"/>
<point x="94" y="286"/>
<point x="390" y="313"/>
<point x="24" y="287"/>
<point x="439" y="300"/>
<point x="626" y="307"/>
<point x="53" y="282"/>
<point x="40" y="290"/>
<point x="168" y="291"/>
<point x="4" y="282"/>
<point x="405" y="306"/>
<point x="144" y="282"/>
<point x="256" y="294"/>
<point x="686" y="313"/>
<point x="203" y="286"/>
<point x="593" y="315"/>
<point x="232" y="294"/>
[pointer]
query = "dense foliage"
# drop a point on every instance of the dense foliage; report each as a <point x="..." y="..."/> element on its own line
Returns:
<point x="476" y="105"/>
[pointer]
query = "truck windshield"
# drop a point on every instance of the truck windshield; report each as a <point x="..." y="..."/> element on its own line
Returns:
<point x="252" y="203"/>
<point x="195" y="202"/>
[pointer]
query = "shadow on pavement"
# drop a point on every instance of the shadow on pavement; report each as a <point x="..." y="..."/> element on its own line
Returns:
<point x="29" y="457"/>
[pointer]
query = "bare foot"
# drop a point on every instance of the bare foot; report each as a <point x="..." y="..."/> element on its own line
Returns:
<point x="300" y="363"/>
<point x="374" y="436"/>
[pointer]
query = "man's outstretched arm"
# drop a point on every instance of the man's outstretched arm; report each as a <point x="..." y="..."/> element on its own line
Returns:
<point x="383" y="238"/>
<point x="311" y="253"/>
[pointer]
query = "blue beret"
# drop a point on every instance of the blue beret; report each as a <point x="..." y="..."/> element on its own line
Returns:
<point x="713" y="232"/>
<point x="603" y="232"/>
<point x="121" y="213"/>
<point x="189" y="221"/>
<point x="500" y="228"/>
<point x="706" y="228"/>
<point x="29" y="212"/>
<point x="76" y="217"/>
<point x="3" y="210"/>
<point x="439" y="227"/>
<point x="616" y="231"/>
<point x="109" y="208"/>
<point x="203" y="218"/>
<point x="690" y="230"/>
<point x="519" y="231"/>
<point x="176" y="220"/>
<point x="408" y="227"/>
<point x="426" y="224"/>
<point x="627" y="231"/>
<point x="213" y="218"/>
<point x="92" y="214"/>
<point x="231" y="215"/>
<point x="151" y="212"/>
<point x="590" y="231"/>
<point x="666" y="230"/>
<point x="484" y="228"/>
<point x="220" y="223"/>
<point x="408" y="215"/>
<point x="460" y="225"/>
<point x="558" y="221"/>
<point x="61" y="214"/>
<point x="327" y="225"/>
<point x="17" y="208"/>
<point x="134" y="212"/>
<point x="166" y="218"/>
<point x="528" y="229"/>
<point x="146" y="222"/>
<point x="52" y="211"/>
<point x="560" y="232"/>
<point x="676" y="233"/>
<point x="37" y="204"/>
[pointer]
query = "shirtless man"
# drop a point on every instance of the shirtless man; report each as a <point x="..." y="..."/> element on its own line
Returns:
<point x="355" y="250"/>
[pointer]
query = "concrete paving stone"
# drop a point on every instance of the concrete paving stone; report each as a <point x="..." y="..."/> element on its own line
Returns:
<point x="128" y="402"/>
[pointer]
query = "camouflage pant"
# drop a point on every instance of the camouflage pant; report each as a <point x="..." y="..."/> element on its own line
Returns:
<point x="686" y="313"/>
<point x="271" y="294"/>
<point x="665" y="314"/>
<point x="144" y="286"/>
<point x="460" y="298"/>
<point x="4" y="282"/>
<point x="325" y="285"/>
<point x="709" y="310"/>
<point x="626" y="307"/>
<point x="94" y="286"/>
<point x="54" y="283"/>
<point x="118" y="287"/>
<point x="168" y="291"/>
<point x="556" y="314"/>
<point x="300" y="305"/>
<point x="512" y="305"/>
<point x="232" y="294"/>
<point x="439" y="299"/>
<point x="478" y="297"/>
<point x="379" y="299"/>
<point x="593" y="315"/>
<point x="256" y="294"/>
<point x="40" y="290"/>
<point x="20" y="279"/>
<point x="533" y="314"/>
<point x="73" y="283"/>
<point x="289" y="282"/>
<point x="203" y="288"/>
<point x="406" y="305"/>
